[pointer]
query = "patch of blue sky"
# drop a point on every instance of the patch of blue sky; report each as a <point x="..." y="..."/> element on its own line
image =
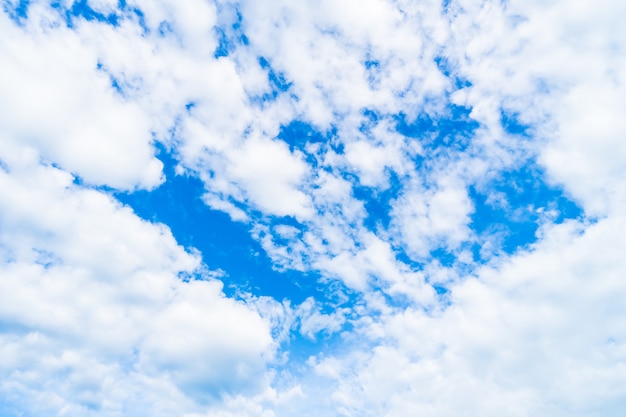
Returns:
<point x="514" y="205"/>
<point x="512" y="125"/>
<point x="451" y="131"/>
<point x="238" y="29"/>
<point x="277" y="82"/>
<point x="10" y="407"/>
<point x="14" y="328"/>
<point x="445" y="66"/>
<point x="304" y="342"/>
<point x="224" y="47"/>
<point x="16" y="11"/>
<point x="370" y="119"/>
<point x="372" y="69"/>
<point x="137" y="12"/>
<point x="440" y="289"/>
<point x="277" y="79"/>
<point x="443" y="256"/>
<point x="113" y="80"/>
<point x="298" y="134"/>
<point x="82" y="10"/>
<point x="378" y="202"/>
<point x="371" y="64"/>
<point x="402" y="255"/>
<point x="301" y="136"/>
<point x="228" y="30"/>
<point x="224" y="244"/>
<point x="302" y="347"/>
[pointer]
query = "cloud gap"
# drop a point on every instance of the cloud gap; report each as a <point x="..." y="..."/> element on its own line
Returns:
<point x="18" y="13"/>
<point x="178" y="203"/>
<point x="515" y="204"/>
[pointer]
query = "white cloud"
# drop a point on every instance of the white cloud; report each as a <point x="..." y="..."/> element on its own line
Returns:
<point x="111" y="329"/>
<point x="430" y="218"/>
<point x="208" y="343"/>
<point x="270" y="175"/>
<point x="533" y="336"/>
<point x="55" y="100"/>
<point x="104" y="6"/>
<point x="313" y="321"/>
<point x="560" y="68"/>
<point x="370" y="162"/>
<point x="96" y="316"/>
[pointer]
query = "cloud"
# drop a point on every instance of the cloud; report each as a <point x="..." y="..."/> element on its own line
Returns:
<point x="57" y="101"/>
<point x="428" y="219"/>
<point x="529" y="337"/>
<point x="386" y="150"/>
<point x="102" y="311"/>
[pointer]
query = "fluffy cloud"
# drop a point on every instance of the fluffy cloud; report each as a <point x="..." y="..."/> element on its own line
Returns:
<point x="55" y="99"/>
<point x="102" y="312"/>
<point x="407" y="111"/>
<point x="533" y="336"/>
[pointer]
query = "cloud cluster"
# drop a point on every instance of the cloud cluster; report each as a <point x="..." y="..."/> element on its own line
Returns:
<point x="390" y="148"/>
<point x="96" y="301"/>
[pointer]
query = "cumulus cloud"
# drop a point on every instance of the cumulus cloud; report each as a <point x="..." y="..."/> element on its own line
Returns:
<point x="388" y="151"/>
<point x="57" y="101"/>
<point x="102" y="311"/>
<point x="524" y="338"/>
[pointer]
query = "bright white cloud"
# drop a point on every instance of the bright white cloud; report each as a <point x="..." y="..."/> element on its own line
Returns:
<point x="96" y="317"/>
<point x="429" y="219"/>
<point x="100" y="314"/>
<point x="56" y="100"/>
<point x="270" y="174"/>
<point x="530" y="337"/>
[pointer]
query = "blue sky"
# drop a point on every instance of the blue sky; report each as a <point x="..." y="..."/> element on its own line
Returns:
<point x="237" y="208"/>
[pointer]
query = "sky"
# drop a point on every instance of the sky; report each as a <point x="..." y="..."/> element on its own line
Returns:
<point x="237" y="208"/>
